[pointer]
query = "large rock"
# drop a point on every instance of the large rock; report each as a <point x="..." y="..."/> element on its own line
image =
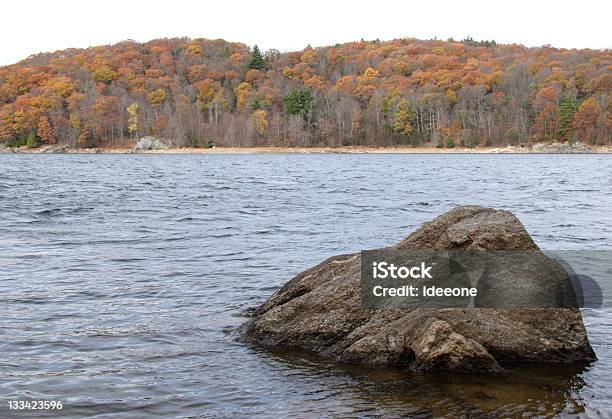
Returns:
<point x="320" y="310"/>
<point x="150" y="144"/>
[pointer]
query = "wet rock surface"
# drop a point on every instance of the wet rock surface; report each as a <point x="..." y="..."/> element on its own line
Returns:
<point x="320" y="310"/>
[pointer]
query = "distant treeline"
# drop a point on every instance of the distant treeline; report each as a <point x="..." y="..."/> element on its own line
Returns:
<point x="403" y="92"/>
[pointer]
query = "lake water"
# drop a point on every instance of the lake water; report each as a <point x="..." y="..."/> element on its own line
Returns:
<point x="122" y="277"/>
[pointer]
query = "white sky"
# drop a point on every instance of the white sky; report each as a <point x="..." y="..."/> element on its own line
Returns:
<point x="30" y="26"/>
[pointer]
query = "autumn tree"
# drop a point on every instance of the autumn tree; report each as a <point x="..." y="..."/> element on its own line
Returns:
<point x="259" y="119"/>
<point x="242" y="93"/>
<point x="402" y="118"/>
<point x="157" y="98"/>
<point x="587" y="120"/>
<point x="358" y="93"/>
<point x="104" y="74"/>
<point x="7" y="133"/>
<point x="45" y="132"/>
<point x="194" y="49"/>
<point x="133" y="119"/>
<point x="546" y="103"/>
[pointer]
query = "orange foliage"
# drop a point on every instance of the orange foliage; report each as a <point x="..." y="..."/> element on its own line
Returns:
<point x="45" y="132"/>
<point x="453" y="89"/>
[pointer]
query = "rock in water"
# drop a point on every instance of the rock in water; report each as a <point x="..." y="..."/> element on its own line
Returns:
<point x="320" y="310"/>
<point x="150" y="143"/>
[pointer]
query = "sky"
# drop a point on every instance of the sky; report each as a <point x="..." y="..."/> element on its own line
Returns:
<point x="32" y="26"/>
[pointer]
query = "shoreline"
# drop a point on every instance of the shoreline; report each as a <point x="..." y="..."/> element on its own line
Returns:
<point x="544" y="149"/>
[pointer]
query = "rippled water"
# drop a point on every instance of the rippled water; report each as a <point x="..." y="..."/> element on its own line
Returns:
<point x="122" y="276"/>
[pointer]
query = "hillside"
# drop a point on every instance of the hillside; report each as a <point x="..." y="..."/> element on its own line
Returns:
<point x="402" y="92"/>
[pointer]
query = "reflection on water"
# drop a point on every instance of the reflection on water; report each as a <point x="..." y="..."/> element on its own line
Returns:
<point x="527" y="389"/>
<point x="122" y="275"/>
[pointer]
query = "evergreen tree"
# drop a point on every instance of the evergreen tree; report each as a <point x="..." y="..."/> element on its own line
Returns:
<point x="256" y="105"/>
<point x="566" y="119"/>
<point x="298" y="102"/>
<point x="257" y="61"/>
<point x="32" y="140"/>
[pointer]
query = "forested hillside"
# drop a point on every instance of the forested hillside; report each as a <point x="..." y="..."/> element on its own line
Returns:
<point x="203" y="92"/>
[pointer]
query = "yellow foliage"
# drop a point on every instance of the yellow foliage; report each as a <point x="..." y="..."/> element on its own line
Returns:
<point x="242" y="91"/>
<point x="194" y="49"/>
<point x="104" y="74"/>
<point x="61" y="86"/>
<point x="206" y="92"/>
<point x="288" y="72"/>
<point x="402" y="119"/>
<point x="259" y="120"/>
<point x="370" y="73"/>
<point x="309" y="57"/>
<point x="75" y="122"/>
<point x="157" y="97"/>
<point x="401" y="67"/>
<point x="132" y="118"/>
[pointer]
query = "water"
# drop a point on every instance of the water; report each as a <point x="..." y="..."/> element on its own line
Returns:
<point x="123" y="275"/>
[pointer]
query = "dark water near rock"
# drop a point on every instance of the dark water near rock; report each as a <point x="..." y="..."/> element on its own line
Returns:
<point x="121" y="276"/>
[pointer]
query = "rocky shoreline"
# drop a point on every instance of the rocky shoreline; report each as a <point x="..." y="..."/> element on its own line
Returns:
<point x="538" y="148"/>
<point x="320" y="311"/>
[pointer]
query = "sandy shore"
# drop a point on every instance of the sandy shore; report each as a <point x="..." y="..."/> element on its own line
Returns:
<point x="311" y="150"/>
